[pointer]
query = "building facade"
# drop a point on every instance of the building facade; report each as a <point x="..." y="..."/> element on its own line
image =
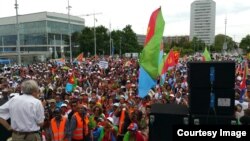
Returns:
<point x="166" y="39"/>
<point x="202" y="21"/>
<point x="39" y="32"/>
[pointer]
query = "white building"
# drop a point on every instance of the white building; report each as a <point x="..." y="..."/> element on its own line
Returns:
<point x="202" y="20"/>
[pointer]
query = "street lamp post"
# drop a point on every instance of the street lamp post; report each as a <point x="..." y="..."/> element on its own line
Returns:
<point x="18" y="38"/>
<point x="69" y="31"/>
<point x="94" y="14"/>
<point x="224" y="48"/>
<point x="110" y="40"/>
<point x="94" y="35"/>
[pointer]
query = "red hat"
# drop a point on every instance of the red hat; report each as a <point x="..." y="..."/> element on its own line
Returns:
<point x="133" y="126"/>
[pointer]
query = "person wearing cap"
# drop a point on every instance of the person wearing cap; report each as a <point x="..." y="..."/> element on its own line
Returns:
<point x="25" y="126"/>
<point x="64" y="108"/>
<point x="52" y="107"/>
<point x="133" y="134"/>
<point x="83" y="99"/>
<point x="108" y="131"/>
<point x="112" y="114"/>
<point x="59" y="127"/>
<point x="72" y="110"/>
<point x="97" y="113"/>
<point x="79" y="125"/>
<point x="122" y="99"/>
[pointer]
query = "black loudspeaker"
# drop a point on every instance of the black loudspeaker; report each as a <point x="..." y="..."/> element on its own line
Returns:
<point x="199" y="102"/>
<point x="199" y="75"/>
<point x="212" y="120"/>
<point x="162" y="119"/>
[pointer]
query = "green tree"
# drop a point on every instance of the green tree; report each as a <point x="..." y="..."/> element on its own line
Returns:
<point x="245" y="43"/>
<point x="130" y="40"/>
<point x="75" y="38"/>
<point x="102" y="40"/>
<point x="118" y="36"/>
<point x="86" y="41"/>
<point x="219" y="41"/>
<point x="126" y="38"/>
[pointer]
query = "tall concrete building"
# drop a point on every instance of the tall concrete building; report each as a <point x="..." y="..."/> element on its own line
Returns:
<point x="202" y="21"/>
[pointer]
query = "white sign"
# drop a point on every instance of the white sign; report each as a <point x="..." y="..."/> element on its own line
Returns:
<point x="103" y="64"/>
<point x="128" y="55"/>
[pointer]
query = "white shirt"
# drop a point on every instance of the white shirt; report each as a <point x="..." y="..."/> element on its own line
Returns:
<point x="25" y="112"/>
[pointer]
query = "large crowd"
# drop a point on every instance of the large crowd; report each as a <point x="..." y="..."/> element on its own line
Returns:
<point x="100" y="104"/>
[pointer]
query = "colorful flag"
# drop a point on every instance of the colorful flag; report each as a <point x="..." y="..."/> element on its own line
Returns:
<point x="69" y="87"/>
<point x="149" y="58"/>
<point x="79" y="58"/>
<point x="60" y="61"/>
<point x="168" y="62"/>
<point x="145" y="83"/>
<point x="206" y="55"/>
<point x="176" y="57"/>
<point x="243" y="85"/>
<point x="73" y="81"/>
<point x="244" y="79"/>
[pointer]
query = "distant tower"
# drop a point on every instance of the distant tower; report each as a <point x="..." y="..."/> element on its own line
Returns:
<point x="202" y="20"/>
<point x="225" y="39"/>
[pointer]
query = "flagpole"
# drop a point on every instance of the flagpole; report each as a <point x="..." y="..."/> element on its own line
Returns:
<point x="18" y="37"/>
<point x="94" y="35"/>
<point x="69" y="31"/>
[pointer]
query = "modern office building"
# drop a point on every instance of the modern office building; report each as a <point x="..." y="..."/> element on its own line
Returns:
<point x="39" y="32"/>
<point x="202" y="21"/>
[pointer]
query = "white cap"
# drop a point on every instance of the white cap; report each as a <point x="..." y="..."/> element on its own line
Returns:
<point x="116" y="104"/>
<point x="171" y="95"/>
<point x="77" y="91"/>
<point x="239" y="78"/>
<point x="111" y="120"/>
<point x="63" y="105"/>
<point x="122" y="96"/>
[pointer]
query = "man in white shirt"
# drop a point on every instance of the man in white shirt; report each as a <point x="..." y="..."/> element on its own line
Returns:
<point x="26" y="112"/>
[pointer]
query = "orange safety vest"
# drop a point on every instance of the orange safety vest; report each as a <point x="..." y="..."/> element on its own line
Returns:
<point x="80" y="126"/>
<point x="58" y="132"/>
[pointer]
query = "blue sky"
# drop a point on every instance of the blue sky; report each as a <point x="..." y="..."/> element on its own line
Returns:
<point x="137" y="12"/>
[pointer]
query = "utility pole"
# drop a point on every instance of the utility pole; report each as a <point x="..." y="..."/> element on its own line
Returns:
<point x="225" y="39"/>
<point x="18" y="38"/>
<point x="69" y="31"/>
<point x="93" y="14"/>
<point x="110" y="40"/>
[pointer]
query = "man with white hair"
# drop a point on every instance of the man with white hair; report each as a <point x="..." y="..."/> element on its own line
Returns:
<point x="26" y="113"/>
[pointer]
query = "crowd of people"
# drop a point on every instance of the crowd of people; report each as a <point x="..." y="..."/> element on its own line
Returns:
<point x="102" y="104"/>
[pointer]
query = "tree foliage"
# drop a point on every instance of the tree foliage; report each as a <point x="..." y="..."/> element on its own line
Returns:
<point x="245" y="43"/>
<point x="219" y="41"/>
<point x="125" y="39"/>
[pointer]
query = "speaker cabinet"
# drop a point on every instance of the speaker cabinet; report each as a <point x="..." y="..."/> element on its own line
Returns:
<point x="199" y="102"/>
<point x="199" y="75"/>
<point x="162" y="119"/>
